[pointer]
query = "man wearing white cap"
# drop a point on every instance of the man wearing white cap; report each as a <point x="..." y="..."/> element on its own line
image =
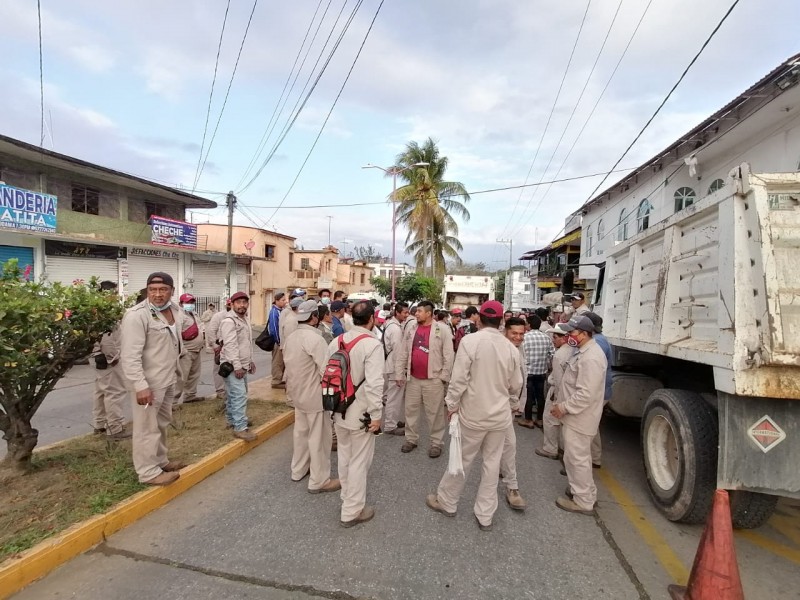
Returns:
<point x="578" y="301"/>
<point x="551" y="427"/>
<point x="306" y="355"/>
<point x="578" y="403"/>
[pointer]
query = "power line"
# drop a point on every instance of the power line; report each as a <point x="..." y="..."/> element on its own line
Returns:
<point x="227" y="92"/>
<point x="41" y="73"/>
<point x="211" y="96"/>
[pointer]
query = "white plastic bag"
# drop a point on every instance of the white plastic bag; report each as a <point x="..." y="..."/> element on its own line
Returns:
<point x="454" y="464"/>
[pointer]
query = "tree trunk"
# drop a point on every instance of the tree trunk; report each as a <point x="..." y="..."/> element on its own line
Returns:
<point x="21" y="439"/>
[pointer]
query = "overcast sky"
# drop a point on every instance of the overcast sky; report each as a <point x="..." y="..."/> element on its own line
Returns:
<point x="126" y="85"/>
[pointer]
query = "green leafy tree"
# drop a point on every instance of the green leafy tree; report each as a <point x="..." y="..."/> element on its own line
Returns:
<point x="44" y="329"/>
<point x="382" y="285"/>
<point x="500" y="287"/>
<point x="466" y="268"/>
<point x="414" y="287"/>
<point x="428" y="205"/>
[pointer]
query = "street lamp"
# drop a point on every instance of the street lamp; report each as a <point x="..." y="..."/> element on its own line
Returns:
<point x="394" y="171"/>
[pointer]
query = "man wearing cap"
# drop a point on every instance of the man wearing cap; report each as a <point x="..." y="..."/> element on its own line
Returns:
<point x="213" y="341"/>
<point x="287" y="323"/>
<point x="237" y="349"/>
<point x="337" y="314"/>
<point x="423" y="365"/>
<point x="192" y="338"/>
<point x="455" y="325"/>
<point x="306" y="355"/>
<point x="363" y="418"/>
<point x="578" y="403"/>
<point x="487" y="374"/>
<point x="207" y="314"/>
<point x="151" y="347"/>
<point x="394" y="404"/>
<point x="578" y="301"/>
<point x="605" y="346"/>
<point x="539" y="350"/>
<point x="273" y="328"/>
<point x="551" y="427"/>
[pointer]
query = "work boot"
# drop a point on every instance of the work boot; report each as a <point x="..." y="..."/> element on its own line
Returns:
<point x="435" y="451"/>
<point x="527" y="423"/>
<point x="432" y="502"/>
<point x="120" y="435"/>
<point x="365" y="515"/>
<point x="540" y="452"/>
<point x="246" y="435"/>
<point x="481" y="526"/>
<point x="163" y="479"/>
<point x="568" y="494"/>
<point x="515" y="500"/>
<point x="570" y="506"/>
<point x="407" y="447"/>
<point x="332" y="485"/>
<point x="396" y="431"/>
<point x="173" y="465"/>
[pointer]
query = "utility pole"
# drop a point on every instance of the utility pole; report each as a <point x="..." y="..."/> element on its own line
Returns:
<point x="231" y="204"/>
<point x="509" y="287"/>
<point x="329" y="229"/>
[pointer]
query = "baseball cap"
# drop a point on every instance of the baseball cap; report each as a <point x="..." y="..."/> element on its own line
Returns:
<point x="337" y="306"/>
<point x="306" y="309"/>
<point x="159" y="277"/>
<point x="186" y="298"/>
<point x="456" y="312"/>
<point x="580" y="323"/>
<point x="558" y="330"/>
<point x="576" y="296"/>
<point x="491" y="309"/>
<point x="597" y="321"/>
<point x="239" y="295"/>
<point x="295" y="302"/>
<point x="299" y="292"/>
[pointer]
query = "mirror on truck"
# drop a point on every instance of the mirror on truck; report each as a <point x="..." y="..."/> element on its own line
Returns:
<point x="598" y="292"/>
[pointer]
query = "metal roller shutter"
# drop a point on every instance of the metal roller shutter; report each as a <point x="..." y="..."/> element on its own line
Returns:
<point x="140" y="267"/>
<point x="23" y="255"/>
<point x="65" y="270"/>
<point x="209" y="279"/>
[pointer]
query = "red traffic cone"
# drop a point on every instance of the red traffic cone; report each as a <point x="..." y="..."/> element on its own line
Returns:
<point x="715" y="574"/>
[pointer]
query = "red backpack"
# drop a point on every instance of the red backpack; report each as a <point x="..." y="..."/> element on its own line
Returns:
<point x="338" y="391"/>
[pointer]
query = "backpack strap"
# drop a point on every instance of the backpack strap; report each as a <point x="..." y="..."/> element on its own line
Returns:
<point x="348" y="347"/>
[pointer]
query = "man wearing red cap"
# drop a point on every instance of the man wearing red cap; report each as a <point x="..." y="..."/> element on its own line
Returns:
<point x="237" y="349"/>
<point x="192" y="337"/>
<point x="487" y="375"/>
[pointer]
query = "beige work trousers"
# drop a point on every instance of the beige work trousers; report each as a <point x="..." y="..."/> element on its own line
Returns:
<point x="508" y="460"/>
<point x="110" y="394"/>
<point x="394" y="404"/>
<point x="150" y="424"/>
<point x="427" y="393"/>
<point x="278" y="366"/>
<point x="597" y="449"/>
<point x="312" y="448"/>
<point x="355" y="453"/>
<point x="190" y="368"/>
<point x="490" y="446"/>
<point x="578" y="464"/>
<point x="551" y="428"/>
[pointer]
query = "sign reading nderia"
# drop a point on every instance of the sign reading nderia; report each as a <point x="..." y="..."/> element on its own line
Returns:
<point x="24" y="209"/>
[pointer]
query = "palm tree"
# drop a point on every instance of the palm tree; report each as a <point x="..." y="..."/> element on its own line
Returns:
<point x="427" y="205"/>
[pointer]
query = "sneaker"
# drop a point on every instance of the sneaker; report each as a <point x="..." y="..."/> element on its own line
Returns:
<point x="401" y="424"/>
<point x="279" y="386"/>
<point x="163" y="479"/>
<point x="246" y="435"/>
<point x="483" y="527"/>
<point x="407" y="447"/>
<point x="332" y="485"/>
<point x="527" y="423"/>
<point x="120" y="435"/>
<point x="570" y="506"/>
<point x="432" y="502"/>
<point x="99" y="430"/>
<point x="435" y="451"/>
<point x="396" y="431"/>
<point x="540" y="452"/>
<point x="173" y="465"/>
<point x="515" y="500"/>
<point x="365" y="515"/>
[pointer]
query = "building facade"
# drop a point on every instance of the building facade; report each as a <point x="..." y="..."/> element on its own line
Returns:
<point x="519" y="292"/>
<point x="384" y="269"/>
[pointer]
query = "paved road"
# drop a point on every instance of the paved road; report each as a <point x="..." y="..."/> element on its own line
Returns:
<point x="249" y="531"/>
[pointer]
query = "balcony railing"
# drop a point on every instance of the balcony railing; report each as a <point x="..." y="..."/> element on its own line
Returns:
<point x="306" y="274"/>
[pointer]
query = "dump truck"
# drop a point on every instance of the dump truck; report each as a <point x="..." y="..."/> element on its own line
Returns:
<point x="461" y="291"/>
<point x="703" y="312"/>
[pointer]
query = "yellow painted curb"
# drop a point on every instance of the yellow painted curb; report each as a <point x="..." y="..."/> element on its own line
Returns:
<point x="37" y="562"/>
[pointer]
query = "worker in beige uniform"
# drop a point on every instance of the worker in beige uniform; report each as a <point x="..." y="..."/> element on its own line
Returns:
<point x="423" y="365"/>
<point x="578" y="403"/>
<point x="551" y="428"/>
<point x="110" y="391"/>
<point x="393" y="394"/>
<point x="577" y="303"/>
<point x="237" y="351"/>
<point x="487" y="374"/>
<point x="191" y="358"/>
<point x="287" y="325"/>
<point x="356" y="437"/>
<point x="151" y="347"/>
<point x="306" y="354"/>
<point x="212" y="339"/>
<point x="515" y="333"/>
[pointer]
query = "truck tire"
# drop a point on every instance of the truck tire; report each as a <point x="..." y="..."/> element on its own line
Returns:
<point x="679" y="447"/>
<point x="750" y="510"/>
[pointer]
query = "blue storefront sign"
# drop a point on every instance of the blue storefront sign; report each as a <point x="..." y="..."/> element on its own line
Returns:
<point x="168" y="232"/>
<point x="24" y="209"/>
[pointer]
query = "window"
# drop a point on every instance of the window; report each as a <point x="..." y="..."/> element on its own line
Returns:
<point x="151" y="208"/>
<point x="85" y="199"/>
<point x="305" y="264"/>
<point x="622" y="230"/>
<point x="684" y="197"/>
<point x="362" y="278"/>
<point x="589" y="241"/>
<point x="601" y="230"/>
<point x="643" y="215"/>
<point x="269" y="252"/>
<point x="717" y="184"/>
<point x="527" y="287"/>
<point x="291" y="261"/>
<point x="352" y="277"/>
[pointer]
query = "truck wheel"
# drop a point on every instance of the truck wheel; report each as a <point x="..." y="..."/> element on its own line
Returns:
<point x="750" y="510"/>
<point x="679" y="444"/>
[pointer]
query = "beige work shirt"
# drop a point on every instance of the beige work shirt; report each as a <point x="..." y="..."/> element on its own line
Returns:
<point x="196" y="344"/>
<point x="440" y="352"/>
<point x="486" y="376"/>
<point x="557" y="370"/>
<point x="305" y="355"/>
<point x="582" y="388"/>
<point x="287" y="324"/>
<point x="392" y="340"/>
<point x="150" y="347"/>
<point x="109" y="344"/>
<point x="522" y="397"/>
<point x="366" y="365"/>
<point x="212" y="331"/>
<point x="237" y="341"/>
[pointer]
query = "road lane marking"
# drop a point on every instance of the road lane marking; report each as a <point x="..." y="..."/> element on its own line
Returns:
<point x="786" y="526"/>
<point x="767" y="544"/>
<point x="658" y="545"/>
